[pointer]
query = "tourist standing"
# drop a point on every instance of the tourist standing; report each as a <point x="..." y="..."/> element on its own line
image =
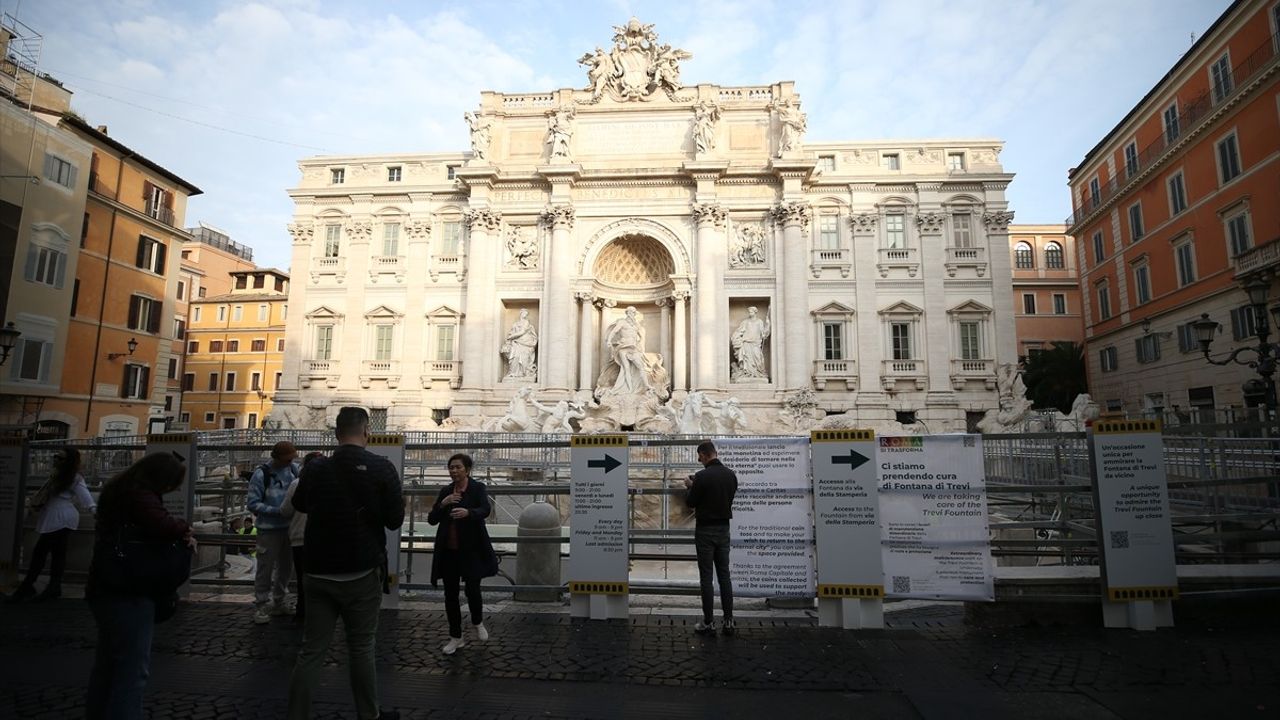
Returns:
<point x="711" y="492"/>
<point x="59" y="502"/>
<point x="463" y="552"/>
<point x="267" y="489"/>
<point x="297" y="535"/>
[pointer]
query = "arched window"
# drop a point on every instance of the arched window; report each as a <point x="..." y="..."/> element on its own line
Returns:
<point x="1023" y="257"/>
<point x="1053" y="256"/>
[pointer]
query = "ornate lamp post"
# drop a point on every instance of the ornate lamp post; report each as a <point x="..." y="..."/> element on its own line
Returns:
<point x="8" y="338"/>
<point x="1264" y="353"/>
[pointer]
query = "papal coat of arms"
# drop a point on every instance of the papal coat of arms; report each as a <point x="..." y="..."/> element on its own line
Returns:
<point x="635" y="67"/>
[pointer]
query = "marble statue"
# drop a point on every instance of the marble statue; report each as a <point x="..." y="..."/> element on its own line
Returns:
<point x="635" y="67"/>
<point x="522" y="249"/>
<point x="666" y="71"/>
<point x="800" y="412"/>
<point x="602" y="71"/>
<point x="748" y="348"/>
<point x="481" y="134"/>
<point x="520" y="347"/>
<point x="518" y="417"/>
<point x="705" y="116"/>
<point x="727" y="417"/>
<point x="558" y="418"/>
<point x="628" y="370"/>
<point x="793" y="127"/>
<point x="560" y="131"/>
<point x="1014" y="405"/>
<point x="747" y="246"/>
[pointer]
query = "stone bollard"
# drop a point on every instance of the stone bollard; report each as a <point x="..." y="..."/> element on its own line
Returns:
<point x="538" y="563"/>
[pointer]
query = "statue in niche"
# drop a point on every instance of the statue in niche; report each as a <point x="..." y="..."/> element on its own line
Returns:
<point x="793" y="126"/>
<point x="560" y="131"/>
<point x="748" y="246"/>
<point x="629" y="370"/>
<point x="729" y="419"/>
<point x="481" y="134"/>
<point x="748" y="348"/>
<point x="520" y="347"/>
<point x="705" y="116"/>
<point x="522" y="249"/>
<point x="602" y="71"/>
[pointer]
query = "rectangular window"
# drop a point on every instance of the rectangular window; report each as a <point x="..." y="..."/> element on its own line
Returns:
<point x="890" y="161"/>
<point x="962" y="230"/>
<point x="826" y="163"/>
<point x="182" y="290"/>
<point x="1177" y="194"/>
<point x="1228" y="159"/>
<point x="1095" y="193"/>
<point x="193" y="347"/>
<point x="255" y="381"/>
<point x="233" y="346"/>
<point x="32" y="360"/>
<point x="1171" y="129"/>
<point x="259" y="282"/>
<point x="391" y="239"/>
<point x="231" y="382"/>
<point x="451" y="171"/>
<point x="1023" y="256"/>
<point x="179" y="329"/>
<point x="1187" y="340"/>
<point x="278" y="375"/>
<point x="195" y="314"/>
<point x="135" y="382"/>
<point x="242" y="282"/>
<point x="75" y="296"/>
<point x="215" y="346"/>
<point x="280" y="345"/>
<point x="144" y="314"/>
<point x="832" y="341"/>
<point x="188" y="381"/>
<point x="259" y="346"/>
<point x="173" y="368"/>
<point x="1104" y="301"/>
<point x="895" y="231"/>
<point x="393" y="173"/>
<point x="222" y="313"/>
<point x="337" y="176"/>
<point x="201" y="292"/>
<point x="1108" y="359"/>
<point x="1220" y="77"/>
<point x="264" y="313"/>
<point x="1028" y="304"/>
<point x="1243" y="323"/>
<point x="59" y="171"/>
<point x="1142" y="283"/>
<point x="382" y="336"/>
<point x="237" y="313"/>
<point x="46" y="266"/>
<point x="1238" y="235"/>
<point x="1147" y="348"/>
<point x="324" y="342"/>
<point x="84" y="230"/>
<point x="1099" y="247"/>
<point x="1136" y="229"/>
<point x="332" y="240"/>
<point x="150" y="255"/>
<point x="1059" y="304"/>
<point x="1184" y="257"/>
<point x="451" y="240"/>
<point x="955" y="162"/>
<point x="970" y="341"/>
<point x="1131" y="159"/>
<point x="444" y="343"/>
<point x="900" y="334"/>
<point x="828" y="235"/>
<point x="213" y="382"/>
<point x="253" y="421"/>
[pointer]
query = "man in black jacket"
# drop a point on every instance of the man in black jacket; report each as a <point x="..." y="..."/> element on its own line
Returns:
<point x="710" y="495"/>
<point x="349" y="498"/>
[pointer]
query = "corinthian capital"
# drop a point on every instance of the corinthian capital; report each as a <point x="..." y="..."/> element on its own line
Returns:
<point x="585" y="297"/>
<point x="997" y="221"/>
<point x="792" y="213"/>
<point x="418" y="229"/>
<point x="713" y="213"/>
<point x="930" y="222"/>
<point x="483" y="219"/>
<point x="301" y="232"/>
<point x="864" y="222"/>
<point x="558" y="216"/>
<point x="359" y="230"/>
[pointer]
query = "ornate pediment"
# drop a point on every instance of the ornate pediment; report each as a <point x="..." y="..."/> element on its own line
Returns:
<point x="970" y="307"/>
<point x="636" y="66"/>
<point x="444" y="311"/>
<point x="324" y="311"/>
<point x="902" y="307"/>
<point x="835" y="307"/>
<point x="382" y="311"/>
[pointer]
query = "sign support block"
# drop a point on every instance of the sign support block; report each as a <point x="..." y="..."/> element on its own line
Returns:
<point x="599" y="527"/>
<point x="391" y="447"/>
<point x="847" y="529"/>
<point x="13" y="507"/>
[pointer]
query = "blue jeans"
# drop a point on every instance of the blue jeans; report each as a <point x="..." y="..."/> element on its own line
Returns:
<point x="122" y="660"/>
<point x="712" y="545"/>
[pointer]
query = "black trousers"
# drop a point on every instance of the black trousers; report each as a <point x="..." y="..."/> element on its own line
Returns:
<point x="55" y="544"/>
<point x="300" y="610"/>
<point x="451" y="574"/>
<point x="712" y="546"/>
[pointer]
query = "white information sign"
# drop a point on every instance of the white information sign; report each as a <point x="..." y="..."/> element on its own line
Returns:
<point x="933" y="515"/>
<point x="847" y="528"/>
<point x="1135" y="532"/>
<point x="771" y="531"/>
<point x="179" y="502"/>
<point x="599" y="526"/>
<point x="12" y="508"/>
<point x="391" y="447"/>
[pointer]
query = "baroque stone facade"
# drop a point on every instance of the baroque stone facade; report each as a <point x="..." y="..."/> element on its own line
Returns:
<point x="671" y="248"/>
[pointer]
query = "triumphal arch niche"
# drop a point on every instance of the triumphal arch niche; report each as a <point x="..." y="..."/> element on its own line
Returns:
<point x="640" y="253"/>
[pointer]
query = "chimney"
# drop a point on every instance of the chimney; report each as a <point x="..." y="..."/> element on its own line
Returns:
<point x="102" y="129"/>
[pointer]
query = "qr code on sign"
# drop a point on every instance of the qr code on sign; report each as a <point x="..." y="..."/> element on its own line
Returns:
<point x="901" y="584"/>
<point x="1119" y="539"/>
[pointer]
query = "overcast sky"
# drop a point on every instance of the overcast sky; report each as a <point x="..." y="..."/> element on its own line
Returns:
<point x="230" y="94"/>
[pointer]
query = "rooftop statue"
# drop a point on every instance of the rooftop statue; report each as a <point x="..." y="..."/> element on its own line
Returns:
<point x="635" y="67"/>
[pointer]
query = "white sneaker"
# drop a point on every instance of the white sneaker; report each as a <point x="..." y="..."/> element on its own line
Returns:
<point x="452" y="646"/>
<point x="482" y="634"/>
<point x="261" y="615"/>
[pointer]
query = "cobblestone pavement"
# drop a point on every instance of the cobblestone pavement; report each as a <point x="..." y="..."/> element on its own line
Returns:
<point x="211" y="662"/>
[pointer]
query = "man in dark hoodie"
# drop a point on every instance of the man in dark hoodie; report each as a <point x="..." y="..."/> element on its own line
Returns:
<point x="349" y="498"/>
<point x="710" y="496"/>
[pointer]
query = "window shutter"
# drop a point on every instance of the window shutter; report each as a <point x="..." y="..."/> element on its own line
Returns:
<point x="61" y="277"/>
<point x="144" y="382"/>
<point x="33" y="254"/>
<point x="46" y="357"/>
<point x="161" y="250"/>
<point x="71" y="177"/>
<point x="154" y="320"/>
<point x="168" y="199"/>
<point x="141" y="259"/>
<point x="1237" y="323"/>
<point x="124" y="382"/>
<point x="134" y="302"/>
<point x="147" y="189"/>
<point x="1139" y="351"/>
<point x="50" y="169"/>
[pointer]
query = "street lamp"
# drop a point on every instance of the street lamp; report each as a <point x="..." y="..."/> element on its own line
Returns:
<point x="133" y="345"/>
<point x="1264" y="353"/>
<point x="8" y="338"/>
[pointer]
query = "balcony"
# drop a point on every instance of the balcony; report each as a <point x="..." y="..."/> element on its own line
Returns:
<point x="974" y="257"/>
<point x="387" y="371"/>
<point x="1261" y="257"/>
<point x="1194" y="113"/>
<point x="903" y="258"/>
<point x="159" y="212"/>
<point x="892" y="371"/>
<point x="835" y="258"/>
<point x="845" y="371"/>
<point x="382" y="265"/>
<point x="441" y="264"/>
<point x="325" y="371"/>
<point x="963" y="371"/>
<point x="335" y="267"/>
<point x="449" y="371"/>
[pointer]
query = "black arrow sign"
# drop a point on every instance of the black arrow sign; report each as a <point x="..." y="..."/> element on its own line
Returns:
<point x="609" y="463"/>
<point x="854" y="459"/>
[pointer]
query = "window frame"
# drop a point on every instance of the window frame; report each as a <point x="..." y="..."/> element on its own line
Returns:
<point x="1130" y="159"/>
<point x="1238" y="217"/>
<point x="900" y="232"/>
<point x="1184" y="267"/>
<point x="1055" y="258"/>
<point x="395" y="173"/>
<point x="1137" y="225"/>
<point x="1171" y="123"/>
<point x="891" y="162"/>
<point x="1108" y="359"/>
<point x="1099" y="247"/>
<point x="60" y="171"/>
<point x="962" y="232"/>
<point x="832" y="340"/>
<point x="1226" y="83"/>
<point x="1102" y="292"/>
<point x="1177" y="187"/>
<point x="337" y="176"/>
<point x="1143" y="292"/>
<point x="1060" y="304"/>
<point x="1028" y="303"/>
<point x="1232" y="163"/>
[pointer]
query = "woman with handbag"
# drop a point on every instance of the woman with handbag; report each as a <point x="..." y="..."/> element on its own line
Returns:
<point x="141" y="556"/>
<point x="59" y="503"/>
<point x="463" y="551"/>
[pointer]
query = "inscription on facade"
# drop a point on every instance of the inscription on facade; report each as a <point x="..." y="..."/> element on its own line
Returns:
<point x="518" y="196"/>
<point x="670" y="192"/>
<point x="631" y="138"/>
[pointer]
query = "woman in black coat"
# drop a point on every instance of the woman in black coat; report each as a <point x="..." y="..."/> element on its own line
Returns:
<point x="463" y="550"/>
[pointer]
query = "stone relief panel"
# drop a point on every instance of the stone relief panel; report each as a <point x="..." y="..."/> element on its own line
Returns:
<point x="522" y="249"/>
<point x="747" y="245"/>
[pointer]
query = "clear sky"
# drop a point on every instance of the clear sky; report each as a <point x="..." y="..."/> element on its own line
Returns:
<point x="230" y="94"/>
